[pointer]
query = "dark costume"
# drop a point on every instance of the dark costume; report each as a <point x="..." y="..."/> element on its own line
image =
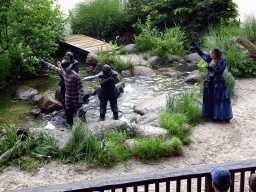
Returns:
<point x="75" y="67"/>
<point x="108" y="91"/>
<point x="216" y="99"/>
<point x="73" y="89"/>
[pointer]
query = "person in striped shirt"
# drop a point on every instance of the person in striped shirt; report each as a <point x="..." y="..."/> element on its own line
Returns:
<point x="74" y="89"/>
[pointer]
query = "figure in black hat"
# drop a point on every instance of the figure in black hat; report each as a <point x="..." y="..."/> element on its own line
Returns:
<point x="74" y="67"/>
<point x="74" y="90"/>
<point x="108" y="91"/>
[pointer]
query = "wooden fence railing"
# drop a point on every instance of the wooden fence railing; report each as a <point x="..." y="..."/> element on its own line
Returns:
<point x="171" y="180"/>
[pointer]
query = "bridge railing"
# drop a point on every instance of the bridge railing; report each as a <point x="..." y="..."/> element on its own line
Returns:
<point x="171" y="180"/>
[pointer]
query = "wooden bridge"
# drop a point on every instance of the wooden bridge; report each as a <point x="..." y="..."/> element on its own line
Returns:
<point x="85" y="44"/>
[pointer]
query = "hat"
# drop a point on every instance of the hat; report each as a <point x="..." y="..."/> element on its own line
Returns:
<point x="221" y="177"/>
<point x="66" y="65"/>
<point x="106" y="69"/>
<point x="70" y="55"/>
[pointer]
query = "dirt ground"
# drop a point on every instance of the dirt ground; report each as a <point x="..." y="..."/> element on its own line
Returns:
<point x="212" y="143"/>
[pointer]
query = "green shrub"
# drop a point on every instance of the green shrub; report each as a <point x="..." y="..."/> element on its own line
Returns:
<point x="230" y="81"/>
<point x="159" y="43"/>
<point x="153" y="148"/>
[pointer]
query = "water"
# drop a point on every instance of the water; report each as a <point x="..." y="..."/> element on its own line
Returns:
<point x="136" y="90"/>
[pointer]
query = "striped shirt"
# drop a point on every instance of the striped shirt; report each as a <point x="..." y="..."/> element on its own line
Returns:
<point x="73" y="83"/>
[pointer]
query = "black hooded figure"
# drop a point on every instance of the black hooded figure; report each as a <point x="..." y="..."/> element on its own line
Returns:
<point x="108" y="91"/>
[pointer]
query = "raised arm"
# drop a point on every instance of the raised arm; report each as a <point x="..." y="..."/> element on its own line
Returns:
<point x="51" y="66"/>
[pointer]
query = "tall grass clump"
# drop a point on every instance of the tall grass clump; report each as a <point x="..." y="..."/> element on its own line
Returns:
<point x="100" y="18"/>
<point x="82" y="145"/>
<point x="154" y="148"/>
<point x="115" y="150"/>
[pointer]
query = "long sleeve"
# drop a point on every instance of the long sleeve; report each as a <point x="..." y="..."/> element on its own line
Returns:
<point x="52" y="67"/>
<point x="222" y="67"/>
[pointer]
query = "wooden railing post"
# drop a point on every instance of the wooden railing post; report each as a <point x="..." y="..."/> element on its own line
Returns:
<point x="208" y="184"/>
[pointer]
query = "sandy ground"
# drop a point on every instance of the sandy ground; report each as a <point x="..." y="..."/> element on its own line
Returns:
<point x="212" y="143"/>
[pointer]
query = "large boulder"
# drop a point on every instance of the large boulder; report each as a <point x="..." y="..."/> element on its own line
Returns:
<point x="107" y="125"/>
<point x="126" y="73"/>
<point x="193" y="76"/>
<point x="36" y="99"/>
<point x="92" y="59"/>
<point x="24" y="93"/>
<point x="130" y="48"/>
<point x="149" y="118"/>
<point x="157" y="61"/>
<point x="151" y="104"/>
<point x="193" y="59"/>
<point x="142" y="71"/>
<point x="147" y="130"/>
<point x="48" y="104"/>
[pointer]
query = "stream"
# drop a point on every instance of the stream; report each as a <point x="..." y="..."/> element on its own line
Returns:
<point x="136" y="90"/>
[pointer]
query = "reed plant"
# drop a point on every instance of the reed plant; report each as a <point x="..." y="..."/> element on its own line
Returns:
<point x="100" y="18"/>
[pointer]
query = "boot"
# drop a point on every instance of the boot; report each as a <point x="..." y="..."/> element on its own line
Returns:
<point x="102" y="117"/>
<point x="115" y="115"/>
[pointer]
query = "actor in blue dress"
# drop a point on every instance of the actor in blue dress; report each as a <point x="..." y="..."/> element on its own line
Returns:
<point x="216" y="99"/>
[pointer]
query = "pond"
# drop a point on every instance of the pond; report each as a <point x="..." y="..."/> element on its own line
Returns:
<point x="136" y="90"/>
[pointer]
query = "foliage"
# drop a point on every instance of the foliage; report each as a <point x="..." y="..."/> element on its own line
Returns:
<point x="100" y="18"/>
<point x="159" y="43"/>
<point x="34" y="29"/>
<point x="113" y="59"/>
<point x="153" y="148"/>
<point x="193" y="16"/>
<point x="238" y="63"/>
<point x="115" y="149"/>
<point x="82" y="145"/>
<point x="230" y="81"/>
<point x="249" y="28"/>
<point x="27" y="148"/>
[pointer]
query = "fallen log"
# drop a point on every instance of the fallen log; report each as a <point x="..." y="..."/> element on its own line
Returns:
<point x="247" y="44"/>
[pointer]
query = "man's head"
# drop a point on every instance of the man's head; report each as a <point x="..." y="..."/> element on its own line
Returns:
<point x="70" y="55"/>
<point x="106" y="69"/>
<point x="252" y="182"/>
<point x="66" y="65"/>
<point x="221" y="178"/>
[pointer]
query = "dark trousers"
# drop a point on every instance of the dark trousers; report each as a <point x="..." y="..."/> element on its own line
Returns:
<point x="113" y="105"/>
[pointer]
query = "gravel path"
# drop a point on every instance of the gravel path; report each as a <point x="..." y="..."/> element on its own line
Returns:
<point x="212" y="143"/>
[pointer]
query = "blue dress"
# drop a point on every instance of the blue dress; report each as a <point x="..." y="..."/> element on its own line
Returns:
<point x="216" y="99"/>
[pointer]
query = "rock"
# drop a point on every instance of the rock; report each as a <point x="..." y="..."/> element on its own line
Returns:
<point x="157" y="61"/>
<point x="58" y="94"/>
<point x="120" y="86"/>
<point x="35" y="112"/>
<point x="130" y="143"/>
<point x="150" y="118"/>
<point x="126" y="73"/>
<point x="193" y="76"/>
<point x="193" y="59"/>
<point x="35" y="99"/>
<point x="61" y="135"/>
<point x="151" y="104"/>
<point x="48" y="104"/>
<point x="130" y="48"/>
<point x="142" y="71"/>
<point x="173" y="73"/>
<point x="92" y="59"/>
<point x="147" y="130"/>
<point x="98" y="67"/>
<point x="107" y="125"/>
<point x="164" y="69"/>
<point x="24" y="93"/>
